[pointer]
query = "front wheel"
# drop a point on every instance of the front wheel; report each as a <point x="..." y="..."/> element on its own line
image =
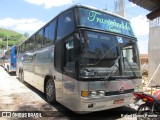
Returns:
<point x="50" y="91"/>
<point x="143" y="112"/>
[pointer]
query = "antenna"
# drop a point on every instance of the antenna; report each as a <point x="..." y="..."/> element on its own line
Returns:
<point x="105" y="8"/>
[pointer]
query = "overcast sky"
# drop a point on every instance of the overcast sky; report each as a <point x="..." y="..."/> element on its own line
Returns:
<point x="29" y="15"/>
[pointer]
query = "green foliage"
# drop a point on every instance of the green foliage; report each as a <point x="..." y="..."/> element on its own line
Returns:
<point x="14" y="38"/>
<point x="8" y="33"/>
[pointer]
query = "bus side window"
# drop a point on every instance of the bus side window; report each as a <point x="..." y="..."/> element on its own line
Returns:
<point x="65" y="25"/>
<point x="31" y="43"/>
<point x="69" y="66"/>
<point x="39" y="39"/>
<point x="49" y="33"/>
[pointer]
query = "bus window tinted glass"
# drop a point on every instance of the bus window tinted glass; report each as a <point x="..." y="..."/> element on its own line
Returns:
<point x="52" y="28"/>
<point x="49" y="33"/>
<point x="27" y="45"/>
<point x="65" y="25"/>
<point x="31" y="43"/>
<point x="39" y="39"/>
<point x="46" y="35"/>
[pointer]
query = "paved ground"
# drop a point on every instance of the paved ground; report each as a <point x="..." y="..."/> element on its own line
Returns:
<point x="22" y="98"/>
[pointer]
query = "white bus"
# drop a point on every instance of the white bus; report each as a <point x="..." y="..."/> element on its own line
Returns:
<point x="85" y="58"/>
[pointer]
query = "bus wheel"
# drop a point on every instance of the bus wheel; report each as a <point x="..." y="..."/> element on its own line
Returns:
<point x="50" y="91"/>
<point x="22" y="77"/>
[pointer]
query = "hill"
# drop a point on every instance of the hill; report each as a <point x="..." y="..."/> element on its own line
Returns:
<point x="9" y="33"/>
<point x="13" y="37"/>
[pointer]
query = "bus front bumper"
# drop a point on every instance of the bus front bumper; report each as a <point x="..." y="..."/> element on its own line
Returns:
<point x="104" y="103"/>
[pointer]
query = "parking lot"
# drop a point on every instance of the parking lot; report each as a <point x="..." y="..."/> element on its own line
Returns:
<point x="23" y="98"/>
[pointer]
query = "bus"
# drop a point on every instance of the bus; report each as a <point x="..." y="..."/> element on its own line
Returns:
<point x="85" y="58"/>
<point x="10" y="59"/>
<point x="1" y="57"/>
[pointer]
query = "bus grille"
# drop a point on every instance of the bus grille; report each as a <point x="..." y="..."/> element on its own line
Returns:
<point x="118" y="92"/>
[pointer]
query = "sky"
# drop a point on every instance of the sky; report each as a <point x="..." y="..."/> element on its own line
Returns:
<point x="30" y="15"/>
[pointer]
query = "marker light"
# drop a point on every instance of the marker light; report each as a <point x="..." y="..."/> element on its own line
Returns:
<point x="85" y="93"/>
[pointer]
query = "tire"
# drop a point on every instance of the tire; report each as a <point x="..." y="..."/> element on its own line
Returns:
<point x="22" y="76"/>
<point x="144" y="110"/>
<point x="50" y="91"/>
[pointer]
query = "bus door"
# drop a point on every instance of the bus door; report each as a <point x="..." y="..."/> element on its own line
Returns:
<point x="58" y="71"/>
<point x="69" y="79"/>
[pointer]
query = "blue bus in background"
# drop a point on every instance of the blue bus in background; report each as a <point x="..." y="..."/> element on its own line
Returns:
<point x="10" y="59"/>
<point x="1" y="57"/>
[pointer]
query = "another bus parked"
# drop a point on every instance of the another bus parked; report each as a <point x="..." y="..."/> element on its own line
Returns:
<point x="1" y="57"/>
<point x="85" y="58"/>
<point x="9" y="59"/>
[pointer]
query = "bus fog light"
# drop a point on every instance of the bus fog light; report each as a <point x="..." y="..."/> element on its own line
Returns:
<point x="101" y="93"/>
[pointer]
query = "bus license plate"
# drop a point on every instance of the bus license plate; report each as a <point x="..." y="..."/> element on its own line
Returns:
<point x="118" y="101"/>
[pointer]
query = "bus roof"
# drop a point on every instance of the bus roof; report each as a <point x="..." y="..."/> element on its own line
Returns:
<point x="77" y="6"/>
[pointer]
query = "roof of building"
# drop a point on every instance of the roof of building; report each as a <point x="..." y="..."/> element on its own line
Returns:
<point x="152" y="5"/>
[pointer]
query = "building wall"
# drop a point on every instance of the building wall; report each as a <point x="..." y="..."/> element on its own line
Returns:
<point x="119" y="6"/>
<point x="154" y="53"/>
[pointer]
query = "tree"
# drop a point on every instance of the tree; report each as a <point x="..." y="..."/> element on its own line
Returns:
<point x="26" y="34"/>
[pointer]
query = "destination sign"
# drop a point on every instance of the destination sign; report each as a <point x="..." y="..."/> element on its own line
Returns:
<point x="104" y="21"/>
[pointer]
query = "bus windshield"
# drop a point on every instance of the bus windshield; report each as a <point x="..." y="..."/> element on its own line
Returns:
<point x="130" y="57"/>
<point x="101" y="51"/>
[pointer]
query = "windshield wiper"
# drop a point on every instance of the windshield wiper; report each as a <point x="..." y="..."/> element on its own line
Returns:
<point x="116" y="61"/>
<point x="130" y="66"/>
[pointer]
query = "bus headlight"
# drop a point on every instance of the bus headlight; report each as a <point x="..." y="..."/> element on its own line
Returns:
<point x="93" y="93"/>
<point x="101" y="93"/>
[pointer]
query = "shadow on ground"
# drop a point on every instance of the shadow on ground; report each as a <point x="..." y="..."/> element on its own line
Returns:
<point x="12" y="74"/>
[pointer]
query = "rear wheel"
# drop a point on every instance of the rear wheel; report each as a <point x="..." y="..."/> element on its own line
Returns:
<point x="50" y="91"/>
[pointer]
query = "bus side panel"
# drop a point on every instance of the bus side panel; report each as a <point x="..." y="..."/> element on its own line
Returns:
<point x="28" y="75"/>
<point x="43" y="66"/>
<point x="71" y="94"/>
